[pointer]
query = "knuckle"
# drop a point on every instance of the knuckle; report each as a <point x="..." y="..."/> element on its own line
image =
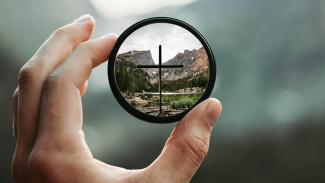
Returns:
<point x="35" y="160"/>
<point x="206" y="125"/>
<point x="51" y="83"/>
<point x="65" y="34"/>
<point x="73" y="35"/>
<point x="27" y="76"/>
<point x="61" y="32"/>
<point x="196" y="148"/>
<point x="32" y="72"/>
<point x="40" y="162"/>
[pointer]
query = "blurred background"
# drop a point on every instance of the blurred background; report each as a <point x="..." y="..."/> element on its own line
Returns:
<point x="271" y="81"/>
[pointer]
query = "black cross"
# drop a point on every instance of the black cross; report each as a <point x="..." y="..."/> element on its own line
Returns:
<point x="160" y="66"/>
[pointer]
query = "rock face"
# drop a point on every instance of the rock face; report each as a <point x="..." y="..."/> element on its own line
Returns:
<point x="128" y="77"/>
<point x="138" y="57"/>
<point x="194" y="63"/>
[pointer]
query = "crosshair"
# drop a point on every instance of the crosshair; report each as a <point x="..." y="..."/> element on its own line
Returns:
<point x="160" y="66"/>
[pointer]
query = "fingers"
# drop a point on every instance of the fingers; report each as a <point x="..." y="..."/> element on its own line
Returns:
<point x="62" y="42"/>
<point x="61" y="100"/>
<point x="188" y="144"/>
<point x="32" y="75"/>
<point x="78" y="66"/>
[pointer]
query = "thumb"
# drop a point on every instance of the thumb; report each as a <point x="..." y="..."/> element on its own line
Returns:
<point x="188" y="144"/>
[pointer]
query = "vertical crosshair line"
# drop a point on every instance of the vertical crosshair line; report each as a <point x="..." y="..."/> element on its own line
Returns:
<point x="160" y="66"/>
<point x="160" y="109"/>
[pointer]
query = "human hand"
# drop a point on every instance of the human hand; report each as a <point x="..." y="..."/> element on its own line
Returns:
<point x="50" y="142"/>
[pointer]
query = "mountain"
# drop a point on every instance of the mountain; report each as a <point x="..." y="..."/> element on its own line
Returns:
<point x="128" y="77"/>
<point x="137" y="57"/>
<point x="194" y="73"/>
<point x="195" y="62"/>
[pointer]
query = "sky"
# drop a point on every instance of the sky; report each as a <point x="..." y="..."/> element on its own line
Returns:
<point x="173" y="38"/>
<point x="129" y="8"/>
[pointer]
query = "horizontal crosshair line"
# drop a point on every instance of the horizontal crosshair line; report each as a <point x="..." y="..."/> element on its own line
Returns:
<point x="159" y="66"/>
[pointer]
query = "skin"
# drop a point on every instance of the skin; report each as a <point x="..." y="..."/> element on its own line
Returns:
<point x="47" y="122"/>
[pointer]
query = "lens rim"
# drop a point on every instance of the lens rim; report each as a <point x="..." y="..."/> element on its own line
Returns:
<point x="111" y="69"/>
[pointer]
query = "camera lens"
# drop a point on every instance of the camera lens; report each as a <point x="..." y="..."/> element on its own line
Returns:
<point x="160" y="68"/>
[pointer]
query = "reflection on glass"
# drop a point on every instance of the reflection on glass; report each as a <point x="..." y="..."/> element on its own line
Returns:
<point x="162" y="69"/>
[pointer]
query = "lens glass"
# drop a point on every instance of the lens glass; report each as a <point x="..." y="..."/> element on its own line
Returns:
<point x="162" y="69"/>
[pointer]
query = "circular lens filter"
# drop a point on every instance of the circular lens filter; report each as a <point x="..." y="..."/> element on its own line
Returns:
<point x="160" y="68"/>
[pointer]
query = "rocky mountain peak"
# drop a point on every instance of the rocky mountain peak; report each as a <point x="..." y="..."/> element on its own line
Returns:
<point x="137" y="57"/>
<point x="194" y="62"/>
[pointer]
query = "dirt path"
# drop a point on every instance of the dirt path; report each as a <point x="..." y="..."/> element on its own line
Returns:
<point x="154" y="110"/>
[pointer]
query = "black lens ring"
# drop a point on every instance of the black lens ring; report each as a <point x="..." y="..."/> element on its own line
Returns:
<point x="113" y="83"/>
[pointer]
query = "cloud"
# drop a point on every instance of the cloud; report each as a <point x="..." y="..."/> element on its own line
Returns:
<point x="125" y="8"/>
<point x="173" y="38"/>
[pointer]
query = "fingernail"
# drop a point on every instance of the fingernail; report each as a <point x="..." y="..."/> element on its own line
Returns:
<point x="212" y="111"/>
<point x="83" y="19"/>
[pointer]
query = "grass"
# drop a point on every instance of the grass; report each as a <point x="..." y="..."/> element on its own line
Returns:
<point x="183" y="103"/>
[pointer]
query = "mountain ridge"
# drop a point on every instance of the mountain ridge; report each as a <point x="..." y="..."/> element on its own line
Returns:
<point x="194" y="62"/>
<point x="194" y="73"/>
